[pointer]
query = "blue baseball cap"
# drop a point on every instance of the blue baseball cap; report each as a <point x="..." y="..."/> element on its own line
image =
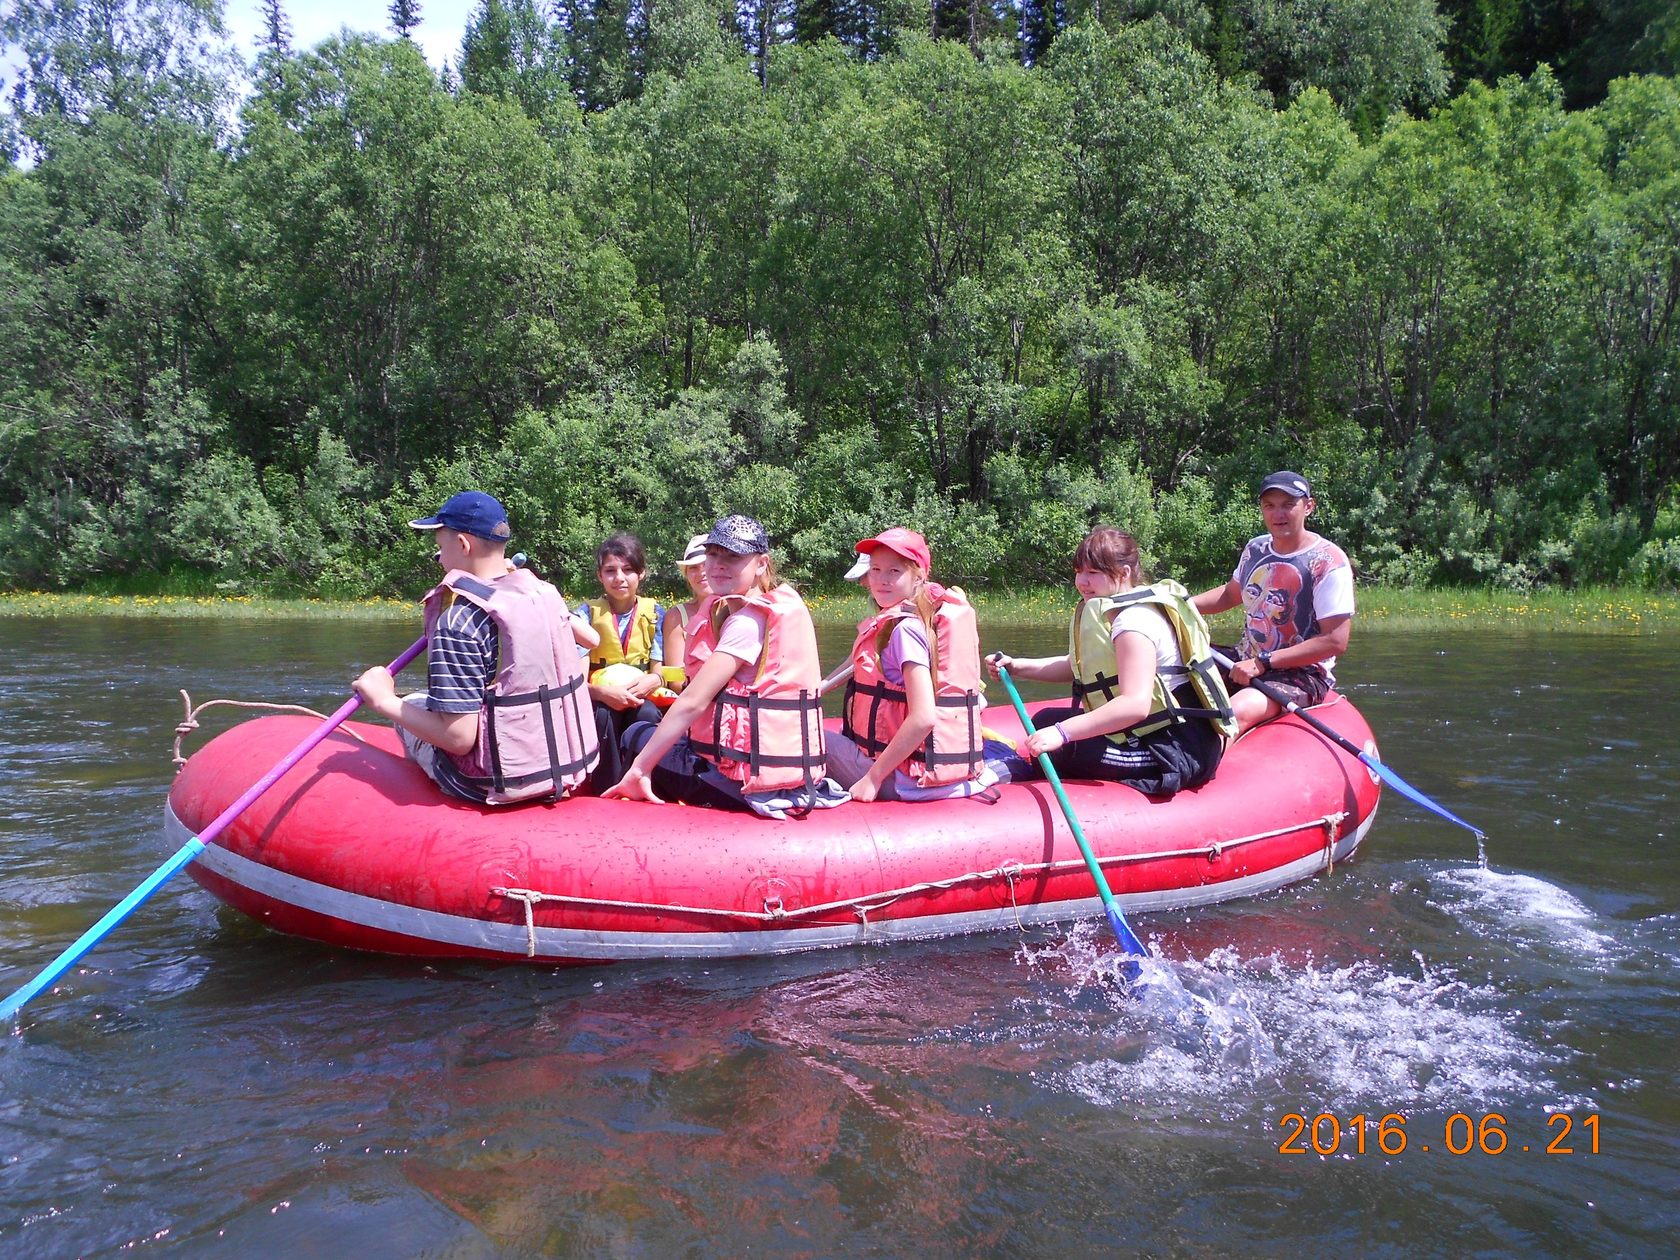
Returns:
<point x="470" y="512"/>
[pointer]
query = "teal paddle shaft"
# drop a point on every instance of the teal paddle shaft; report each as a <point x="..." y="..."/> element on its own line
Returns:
<point x="191" y="849"/>
<point x="1122" y="930"/>
<point x="1377" y="768"/>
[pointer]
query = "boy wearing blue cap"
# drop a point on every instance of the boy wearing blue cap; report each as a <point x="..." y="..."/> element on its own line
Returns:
<point x="504" y="716"/>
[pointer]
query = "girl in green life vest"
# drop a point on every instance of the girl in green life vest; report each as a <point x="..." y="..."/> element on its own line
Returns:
<point x="1149" y="707"/>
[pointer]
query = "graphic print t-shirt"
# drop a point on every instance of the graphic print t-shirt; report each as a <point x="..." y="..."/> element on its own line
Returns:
<point x="1285" y="598"/>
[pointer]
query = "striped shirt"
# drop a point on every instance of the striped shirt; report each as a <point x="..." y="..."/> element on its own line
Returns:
<point x="461" y="662"/>
<point x="461" y="659"/>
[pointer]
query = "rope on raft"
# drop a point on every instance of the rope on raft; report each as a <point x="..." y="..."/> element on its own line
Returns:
<point x="189" y="724"/>
<point x="863" y="906"/>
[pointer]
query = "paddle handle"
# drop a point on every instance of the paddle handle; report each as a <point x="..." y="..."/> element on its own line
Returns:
<point x="50" y="974"/>
<point x="1289" y="706"/>
<point x="1122" y="930"/>
<point x="1384" y="772"/>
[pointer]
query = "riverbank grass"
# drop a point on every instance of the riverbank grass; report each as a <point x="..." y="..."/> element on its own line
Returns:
<point x="1597" y="610"/>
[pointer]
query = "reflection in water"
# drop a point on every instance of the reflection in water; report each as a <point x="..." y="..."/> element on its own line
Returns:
<point x="204" y="1082"/>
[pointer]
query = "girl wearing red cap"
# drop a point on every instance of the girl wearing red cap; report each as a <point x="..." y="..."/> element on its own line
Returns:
<point x="912" y="725"/>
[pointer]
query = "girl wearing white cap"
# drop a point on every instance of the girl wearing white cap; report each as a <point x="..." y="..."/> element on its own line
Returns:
<point x="693" y="566"/>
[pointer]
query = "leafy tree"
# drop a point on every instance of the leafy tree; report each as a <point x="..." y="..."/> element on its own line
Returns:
<point x="405" y="268"/>
<point x="689" y="165"/>
<point x="683" y="35"/>
<point x="955" y="154"/>
<point x="509" y="50"/>
<point x="102" y="258"/>
<point x="1372" y="56"/>
<point x="1628" y="252"/>
<point x="138" y="59"/>
<point x="1166" y="163"/>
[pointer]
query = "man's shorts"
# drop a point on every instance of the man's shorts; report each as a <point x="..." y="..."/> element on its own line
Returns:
<point x="419" y="751"/>
<point x="1306" y="686"/>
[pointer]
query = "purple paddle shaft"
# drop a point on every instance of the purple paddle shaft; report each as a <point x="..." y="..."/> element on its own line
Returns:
<point x="187" y="852"/>
<point x="334" y="720"/>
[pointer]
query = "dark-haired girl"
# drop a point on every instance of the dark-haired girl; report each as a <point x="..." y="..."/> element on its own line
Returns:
<point x="624" y="668"/>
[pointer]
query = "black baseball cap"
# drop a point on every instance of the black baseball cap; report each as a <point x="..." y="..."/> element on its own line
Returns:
<point x="1289" y="482"/>
<point x="740" y="534"/>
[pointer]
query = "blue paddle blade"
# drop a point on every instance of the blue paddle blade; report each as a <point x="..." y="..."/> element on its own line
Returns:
<point x="1123" y="932"/>
<point x="1411" y="793"/>
<point x="1129" y="942"/>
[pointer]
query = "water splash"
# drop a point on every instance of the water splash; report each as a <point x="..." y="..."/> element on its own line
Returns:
<point x="1516" y="909"/>
<point x="1213" y="1032"/>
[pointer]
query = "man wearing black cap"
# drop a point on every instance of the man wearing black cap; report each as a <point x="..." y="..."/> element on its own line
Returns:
<point x="1296" y="590"/>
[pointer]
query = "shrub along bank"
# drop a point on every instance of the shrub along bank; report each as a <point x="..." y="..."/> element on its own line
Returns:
<point x="920" y="283"/>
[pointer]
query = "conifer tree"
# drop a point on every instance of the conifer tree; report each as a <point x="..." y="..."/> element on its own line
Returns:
<point x="405" y="16"/>
<point x="276" y="35"/>
<point x="274" y="44"/>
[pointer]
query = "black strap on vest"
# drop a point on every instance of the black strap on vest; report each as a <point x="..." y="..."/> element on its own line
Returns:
<point x="879" y="693"/>
<point x="883" y="692"/>
<point x="469" y="585"/>
<point x="1172" y="711"/>
<point x="812" y="765"/>
<point x="805" y="702"/>
<point x="544" y="697"/>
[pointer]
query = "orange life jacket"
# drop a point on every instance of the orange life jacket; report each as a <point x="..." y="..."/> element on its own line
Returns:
<point x="875" y="709"/>
<point x="536" y="733"/>
<point x="767" y="735"/>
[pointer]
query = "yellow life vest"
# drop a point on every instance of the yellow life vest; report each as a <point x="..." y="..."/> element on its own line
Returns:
<point x="636" y="647"/>
<point x="1091" y="653"/>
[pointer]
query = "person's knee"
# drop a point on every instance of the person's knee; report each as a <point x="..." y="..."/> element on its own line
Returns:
<point x="636" y="736"/>
<point x="1251" y="708"/>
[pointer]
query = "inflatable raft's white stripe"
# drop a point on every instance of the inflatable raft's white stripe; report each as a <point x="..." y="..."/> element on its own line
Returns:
<point x="562" y="944"/>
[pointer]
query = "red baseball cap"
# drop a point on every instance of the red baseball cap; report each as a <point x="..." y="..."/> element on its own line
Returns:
<point x="907" y="542"/>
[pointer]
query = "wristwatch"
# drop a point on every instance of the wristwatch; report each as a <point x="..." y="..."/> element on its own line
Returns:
<point x="1265" y="659"/>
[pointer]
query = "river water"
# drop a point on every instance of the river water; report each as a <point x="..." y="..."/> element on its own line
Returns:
<point x="204" y="1085"/>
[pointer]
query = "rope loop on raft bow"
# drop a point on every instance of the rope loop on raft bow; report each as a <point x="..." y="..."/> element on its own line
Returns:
<point x="187" y="725"/>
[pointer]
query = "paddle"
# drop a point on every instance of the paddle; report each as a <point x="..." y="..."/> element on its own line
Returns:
<point x="1128" y="939"/>
<point x="191" y="849"/>
<point x="1377" y="768"/>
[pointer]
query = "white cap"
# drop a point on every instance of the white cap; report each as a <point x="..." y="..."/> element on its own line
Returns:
<point x="859" y="567"/>
<point x="694" y="553"/>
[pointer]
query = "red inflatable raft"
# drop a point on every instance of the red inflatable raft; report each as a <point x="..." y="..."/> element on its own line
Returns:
<point x="354" y="847"/>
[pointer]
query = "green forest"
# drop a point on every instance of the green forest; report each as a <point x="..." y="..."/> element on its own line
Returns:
<point x="996" y="270"/>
